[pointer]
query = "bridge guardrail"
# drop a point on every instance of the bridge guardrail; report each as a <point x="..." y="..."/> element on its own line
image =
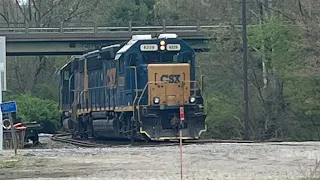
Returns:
<point x="198" y="26"/>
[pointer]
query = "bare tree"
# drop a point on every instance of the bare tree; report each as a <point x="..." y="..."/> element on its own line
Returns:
<point x="26" y="73"/>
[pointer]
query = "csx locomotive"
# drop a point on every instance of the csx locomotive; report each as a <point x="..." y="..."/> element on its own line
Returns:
<point x="145" y="89"/>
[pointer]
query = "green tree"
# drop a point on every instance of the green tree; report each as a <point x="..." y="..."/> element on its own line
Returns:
<point x="126" y="10"/>
<point x="31" y="108"/>
<point x="276" y="50"/>
<point x="222" y="67"/>
<point x="270" y="110"/>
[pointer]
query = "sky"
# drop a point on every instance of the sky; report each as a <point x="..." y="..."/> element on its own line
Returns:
<point x="23" y="1"/>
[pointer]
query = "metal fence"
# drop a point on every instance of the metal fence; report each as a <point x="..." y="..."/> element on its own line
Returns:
<point x="111" y="27"/>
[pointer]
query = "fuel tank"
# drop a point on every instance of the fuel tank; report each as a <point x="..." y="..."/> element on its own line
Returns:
<point x="106" y="128"/>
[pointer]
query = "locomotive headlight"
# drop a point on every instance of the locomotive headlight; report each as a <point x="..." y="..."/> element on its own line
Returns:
<point x="162" y="43"/>
<point x="156" y="100"/>
<point x="192" y="99"/>
<point x="162" y="48"/>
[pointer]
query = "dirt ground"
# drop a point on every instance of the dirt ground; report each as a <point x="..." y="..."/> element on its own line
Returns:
<point x="200" y="162"/>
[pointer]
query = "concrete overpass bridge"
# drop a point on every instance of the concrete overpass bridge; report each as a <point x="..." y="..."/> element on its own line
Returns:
<point x="75" y="39"/>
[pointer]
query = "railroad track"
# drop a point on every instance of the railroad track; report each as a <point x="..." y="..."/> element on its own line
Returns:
<point x="85" y="143"/>
<point x="82" y="143"/>
<point x="98" y="143"/>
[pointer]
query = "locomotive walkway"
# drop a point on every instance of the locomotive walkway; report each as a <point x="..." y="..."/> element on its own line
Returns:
<point x="77" y="38"/>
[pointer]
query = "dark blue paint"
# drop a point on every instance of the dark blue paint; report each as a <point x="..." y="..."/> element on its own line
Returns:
<point x="101" y="95"/>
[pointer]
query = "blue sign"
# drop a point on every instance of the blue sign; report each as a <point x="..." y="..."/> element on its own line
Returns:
<point x="7" y="107"/>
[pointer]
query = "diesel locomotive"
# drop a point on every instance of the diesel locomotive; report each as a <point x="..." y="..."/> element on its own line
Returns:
<point x="145" y="89"/>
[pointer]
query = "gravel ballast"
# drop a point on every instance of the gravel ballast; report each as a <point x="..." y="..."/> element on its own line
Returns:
<point x="200" y="162"/>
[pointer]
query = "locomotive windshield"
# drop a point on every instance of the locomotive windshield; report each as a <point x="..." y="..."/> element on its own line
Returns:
<point x="166" y="57"/>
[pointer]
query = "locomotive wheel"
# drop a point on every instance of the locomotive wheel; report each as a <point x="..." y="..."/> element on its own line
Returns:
<point x="84" y="136"/>
<point x="132" y="132"/>
<point x="75" y="131"/>
<point x="35" y="139"/>
<point x="133" y="128"/>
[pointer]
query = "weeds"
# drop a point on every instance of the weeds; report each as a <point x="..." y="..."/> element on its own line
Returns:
<point x="313" y="172"/>
<point x="9" y="162"/>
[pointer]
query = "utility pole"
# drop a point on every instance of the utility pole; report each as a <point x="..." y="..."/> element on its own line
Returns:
<point x="2" y="59"/>
<point x="245" y="70"/>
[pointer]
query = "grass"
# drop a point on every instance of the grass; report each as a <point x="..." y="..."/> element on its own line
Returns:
<point x="9" y="162"/>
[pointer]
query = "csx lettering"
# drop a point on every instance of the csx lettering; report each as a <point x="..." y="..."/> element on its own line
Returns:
<point x="171" y="78"/>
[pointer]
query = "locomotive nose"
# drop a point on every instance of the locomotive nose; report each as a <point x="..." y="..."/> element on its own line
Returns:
<point x="168" y="83"/>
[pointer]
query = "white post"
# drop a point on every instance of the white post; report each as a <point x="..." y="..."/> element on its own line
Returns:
<point x="3" y="69"/>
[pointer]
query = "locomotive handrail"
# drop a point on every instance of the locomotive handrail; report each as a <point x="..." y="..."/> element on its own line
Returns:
<point x="161" y="82"/>
<point x="136" y="87"/>
<point x="85" y="90"/>
<point x="196" y="83"/>
<point x="70" y="85"/>
<point x="80" y="95"/>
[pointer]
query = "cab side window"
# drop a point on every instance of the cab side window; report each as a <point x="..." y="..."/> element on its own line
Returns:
<point x="66" y="75"/>
<point x="133" y="59"/>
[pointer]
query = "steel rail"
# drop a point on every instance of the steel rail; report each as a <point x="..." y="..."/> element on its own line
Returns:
<point x="119" y="144"/>
<point x="74" y="141"/>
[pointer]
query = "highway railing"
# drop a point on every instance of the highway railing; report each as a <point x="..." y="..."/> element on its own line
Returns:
<point x="114" y="27"/>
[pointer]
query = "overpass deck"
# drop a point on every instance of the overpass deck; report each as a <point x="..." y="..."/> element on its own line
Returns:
<point x="67" y="38"/>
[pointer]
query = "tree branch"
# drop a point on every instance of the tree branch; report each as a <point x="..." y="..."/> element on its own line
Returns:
<point x="18" y="75"/>
<point x="21" y="10"/>
<point x="5" y="12"/>
<point x="277" y="11"/>
<point x="300" y="8"/>
<point x="52" y="7"/>
<point x="70" y="15"/>
<point x="74" y="14"/>
<point x="37" y="10"/>
<point x="4" y="17"/>
<point x="42" y="64"/>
